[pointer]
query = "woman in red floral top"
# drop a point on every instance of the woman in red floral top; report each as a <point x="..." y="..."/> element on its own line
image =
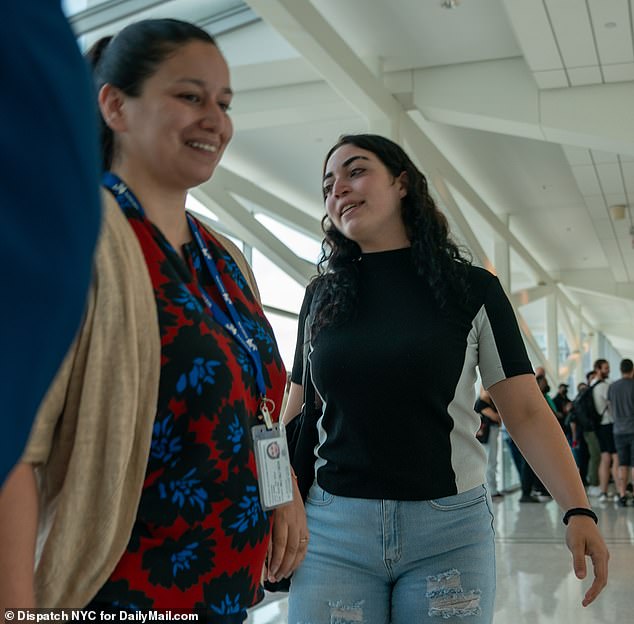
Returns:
<point x="201" y="535"/>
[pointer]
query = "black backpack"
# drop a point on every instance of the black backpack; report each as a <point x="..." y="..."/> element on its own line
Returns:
<point x="584" y="412"/>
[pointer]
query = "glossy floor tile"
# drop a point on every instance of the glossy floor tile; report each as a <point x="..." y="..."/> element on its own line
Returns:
<point x="536" y="584"/>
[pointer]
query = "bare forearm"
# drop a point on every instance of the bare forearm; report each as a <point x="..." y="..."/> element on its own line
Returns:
<point x="294" y="402"/>
<point x="18" y="528"/>
<point x="537" y="433"/>
<point x="551" y="459"/>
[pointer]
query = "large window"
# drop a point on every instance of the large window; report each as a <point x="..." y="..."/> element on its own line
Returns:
<point x="304" y="246"/>
<point x="279" y="291"/>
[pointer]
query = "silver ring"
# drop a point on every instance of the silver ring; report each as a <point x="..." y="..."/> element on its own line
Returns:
<point x="303" y="540"/>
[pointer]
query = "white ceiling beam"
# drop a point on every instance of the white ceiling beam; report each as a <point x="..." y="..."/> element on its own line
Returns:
<point x="271" y="205"/>
<point x="533" y="348"/>
<point x="595" y="116"/>
<point x="246" y="227"/>
<point x="477" y="249"/>
<point x="432" y="159"/>
<point x="462" y="224"/>
<point x="501" y="96"/>
<point x="496" y="96"/>
<point x="287" y="105"/>
<point x="529" y="295"/>
<point x="428" y="153"/>
<point x="534" y="34"/>
<point x="574" y="339"/>
<point x="315" y="39"/>
<point x="597" y="282"/>
<point x="622" y="330"/>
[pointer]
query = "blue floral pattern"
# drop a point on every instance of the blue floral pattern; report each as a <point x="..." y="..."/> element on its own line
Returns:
<point x="180" y="562"/>
<point x="245" y="521"/>
<point x="233" y="270"/>
<point x="167" y="443"/>
<point x="202" y="372"/>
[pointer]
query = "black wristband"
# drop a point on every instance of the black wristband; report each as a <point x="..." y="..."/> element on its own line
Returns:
<point x="580" y="511"/>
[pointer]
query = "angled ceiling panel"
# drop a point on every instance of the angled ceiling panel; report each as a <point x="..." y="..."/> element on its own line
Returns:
<point x="577" y="155"/>
<point x="613" y="35"/>
<point x="573" y="30"/>
<point x="604" y="157"/>
<point x="596" y="206"/>
<point x="533" y="30"/>
<point x="621" y="72"/>
<point x="580" y="76"/>
<point x="552" y="79"/>
<point x="628" y="175"/>
<point x="604" y="228"/>
<point x="587" y="180"/>
<point x="610" y="178"/>
<point x="615" y="198"/>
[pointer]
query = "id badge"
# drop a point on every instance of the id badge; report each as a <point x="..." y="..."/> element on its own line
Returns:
<point x="274" y="466"/>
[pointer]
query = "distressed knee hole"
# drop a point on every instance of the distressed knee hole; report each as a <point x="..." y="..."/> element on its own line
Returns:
<point x="346" y="613"/>
<point x="448" y="599"/>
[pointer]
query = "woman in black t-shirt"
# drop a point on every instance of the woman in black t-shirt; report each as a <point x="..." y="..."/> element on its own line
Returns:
<point x="390" y="335"/>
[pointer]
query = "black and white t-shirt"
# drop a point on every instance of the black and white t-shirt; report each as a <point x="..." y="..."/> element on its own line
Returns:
<point x="397" y="383"/>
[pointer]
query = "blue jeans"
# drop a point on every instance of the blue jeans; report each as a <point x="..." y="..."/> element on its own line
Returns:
<point x="404" y="562"/>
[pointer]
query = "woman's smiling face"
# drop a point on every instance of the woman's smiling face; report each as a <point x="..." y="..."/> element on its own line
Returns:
<point x="363" y="199"/>
<point x="178" y="127"/>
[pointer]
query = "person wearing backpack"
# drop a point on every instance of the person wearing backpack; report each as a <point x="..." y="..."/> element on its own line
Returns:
<point x="609" y="459"/>
<point x="584" y="415"/>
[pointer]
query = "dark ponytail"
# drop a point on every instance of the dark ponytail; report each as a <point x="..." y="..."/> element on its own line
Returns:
<point x="134" y="55"/>
<point x="106" y="135"/>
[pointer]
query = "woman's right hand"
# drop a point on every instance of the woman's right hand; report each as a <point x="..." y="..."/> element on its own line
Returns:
<point x="584" y="540"/>
<point x="289" y="540"/>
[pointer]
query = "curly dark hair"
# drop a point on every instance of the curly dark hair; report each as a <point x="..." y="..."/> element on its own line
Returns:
<point x="440" y="262"/>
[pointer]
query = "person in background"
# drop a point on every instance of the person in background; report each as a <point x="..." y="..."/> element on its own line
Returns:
<point x="396" y="324"/>
<point x="609" y="462"/>
<point x="146" y="473"/>
<point x="592" y="443"/>
<point x="489" y="415"/>
<point x="621" y="399"/>
<point x="578" y="442"/>
<point x="563" y="405"/>
<point x="50" y="207"/>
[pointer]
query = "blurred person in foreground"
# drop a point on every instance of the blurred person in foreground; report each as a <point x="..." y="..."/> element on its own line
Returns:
<point x="49" y="193"/>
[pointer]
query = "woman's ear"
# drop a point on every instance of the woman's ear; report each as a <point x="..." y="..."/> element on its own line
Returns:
<point x="111" y="100"/>
<point x="403" y="182"/>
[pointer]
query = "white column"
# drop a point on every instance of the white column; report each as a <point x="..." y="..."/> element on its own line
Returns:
<point x="552" y="335"/>
<point x="502" y="257"/>
<point x="580" y="373"/>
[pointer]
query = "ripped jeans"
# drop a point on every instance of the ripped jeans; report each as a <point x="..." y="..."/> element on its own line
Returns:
<point x="398" y="562"/>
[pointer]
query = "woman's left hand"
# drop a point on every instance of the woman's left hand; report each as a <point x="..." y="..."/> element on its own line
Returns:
<point x="584" y="539"/>
<point x="289" y="540"/>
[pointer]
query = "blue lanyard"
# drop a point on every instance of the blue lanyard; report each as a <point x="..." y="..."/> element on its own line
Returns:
<point x="126" y="199"/>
